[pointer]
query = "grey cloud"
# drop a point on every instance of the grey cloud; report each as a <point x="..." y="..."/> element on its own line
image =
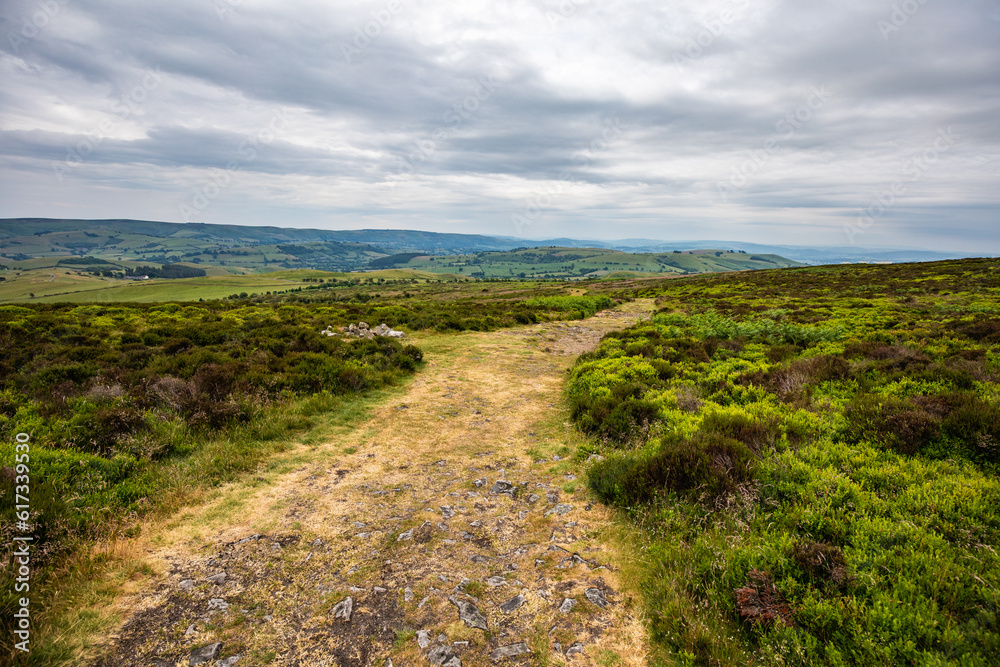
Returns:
<point x="691" y="121"/>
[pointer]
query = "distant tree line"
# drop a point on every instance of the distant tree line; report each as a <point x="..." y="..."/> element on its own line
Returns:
<point x="167" y="271"/>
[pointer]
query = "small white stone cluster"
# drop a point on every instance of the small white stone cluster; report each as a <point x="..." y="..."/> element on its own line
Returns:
<point x="362" y="330"/>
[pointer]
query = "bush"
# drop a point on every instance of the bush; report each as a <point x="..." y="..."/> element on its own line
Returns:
<point x="823" y="563"/>
<point x="976" y="424"/>
<point x="707" y="465"/>
<point x="896" y="424"/>
<point x="757" y="435"/>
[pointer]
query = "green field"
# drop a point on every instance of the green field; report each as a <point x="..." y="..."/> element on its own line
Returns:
<point x="53" y="285"/>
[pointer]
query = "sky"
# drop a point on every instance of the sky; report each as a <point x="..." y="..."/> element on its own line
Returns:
<point x="858" y="122"/>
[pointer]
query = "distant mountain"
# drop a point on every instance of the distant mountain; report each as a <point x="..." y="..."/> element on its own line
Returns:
<point x="80" y="233"/>
<point x="246" y="247"/>
<point x="268" y="248"/>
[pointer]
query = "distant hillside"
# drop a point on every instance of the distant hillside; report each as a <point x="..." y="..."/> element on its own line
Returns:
<point x="581" y="263"/>
<point x="40" y="243"/>
<point x="94" y="236"/>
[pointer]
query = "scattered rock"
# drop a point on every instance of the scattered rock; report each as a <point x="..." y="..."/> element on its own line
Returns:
<point x="443" y="656"/>
<point x="190" y="631"/>
<point x="552" y="496"/>
<point x="447" y="511"/>
<point x="362" y="330"/>
<point x="534" y="498"/>
<point x="511" y="651"/>
<point x="378" y="589"/>
<point x="217" y="579"/>
<point x="567" y="605"/>
<point x="575" y="649"/>
<point x="596" y="595"/>
<point x="205" y="654"/>
<point x="407" y="594"/>
<point x="228" y="662"/>
<point x="470" y="613"/>
<point x="503" y="487"/>
<point x="476" y="524"/>
<point x="406" y="535"/>
<point x="561" y="508"/>
<point x="343" y="609"/>
<point x="496" y="581"/>
<point x="513" y="604"/>
<point x="477" y="558"/>
<point x="423" y="638"/>
<point x="187" y="584"/>
<point x="218" y="603"/>
<point x="482" y="481"/>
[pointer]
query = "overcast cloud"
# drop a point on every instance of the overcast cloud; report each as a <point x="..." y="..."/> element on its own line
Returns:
<point x="873" y="122"/>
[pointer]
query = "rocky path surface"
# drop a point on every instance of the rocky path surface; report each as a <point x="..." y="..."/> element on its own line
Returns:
<point x="451" y="528"/>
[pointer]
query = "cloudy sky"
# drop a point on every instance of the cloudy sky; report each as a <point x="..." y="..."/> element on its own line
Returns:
<point x="866" y="122"/>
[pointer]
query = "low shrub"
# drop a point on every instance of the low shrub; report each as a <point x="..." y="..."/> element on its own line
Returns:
<point x="822" y="563"/>
<point x="758" y="435"/>
<point x="707" y="465"/>
<point x="893" y="423"/>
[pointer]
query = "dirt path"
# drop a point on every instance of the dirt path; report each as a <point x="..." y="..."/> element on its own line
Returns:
<point x="455" y="507"/>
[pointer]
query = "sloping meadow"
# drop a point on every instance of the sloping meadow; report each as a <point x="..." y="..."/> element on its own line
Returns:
<point x="812" y="455"/>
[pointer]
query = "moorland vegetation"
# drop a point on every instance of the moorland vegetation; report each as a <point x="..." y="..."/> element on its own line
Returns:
<point x="812" y="457"/>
